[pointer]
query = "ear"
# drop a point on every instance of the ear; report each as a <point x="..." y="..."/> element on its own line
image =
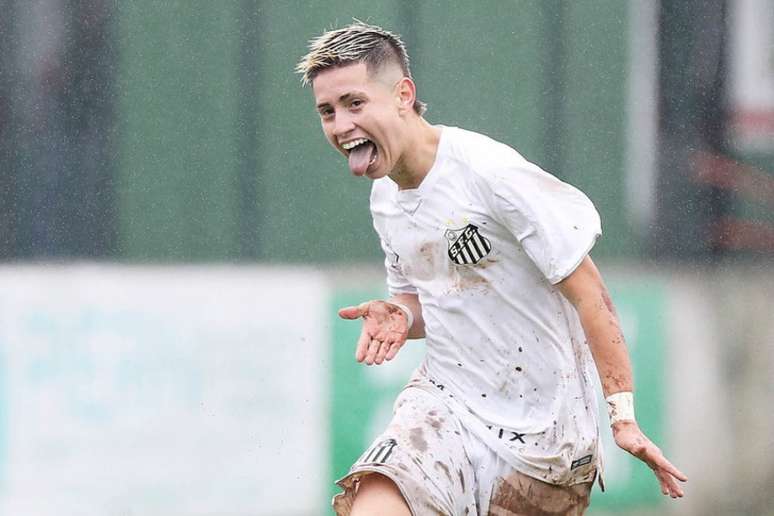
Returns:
<point x="405" y="94"/>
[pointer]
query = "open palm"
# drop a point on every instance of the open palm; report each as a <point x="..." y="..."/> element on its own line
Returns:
<point x="385" y="330"/>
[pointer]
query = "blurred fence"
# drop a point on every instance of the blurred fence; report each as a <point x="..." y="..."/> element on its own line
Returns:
<point x="177" y="131"/>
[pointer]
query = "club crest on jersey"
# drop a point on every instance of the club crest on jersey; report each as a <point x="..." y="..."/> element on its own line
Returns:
<point x="466" y="245"/>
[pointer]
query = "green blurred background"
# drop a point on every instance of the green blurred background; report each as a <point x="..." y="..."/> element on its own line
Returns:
<point x="177" y="131"/>
<point x="247" y="173"/>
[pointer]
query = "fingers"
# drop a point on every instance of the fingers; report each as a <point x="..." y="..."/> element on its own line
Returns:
<point x="354" y="312"/>
<point x="394" y="348"/>
<point x="383" y="350"/>
<point x="362" y="345"/>
<point x="630" y="438"/>
<point x="667" y="474"/>
<point x="377" y="350"/>
<point x="673" y="471"/>
<point x="668" y="485"/>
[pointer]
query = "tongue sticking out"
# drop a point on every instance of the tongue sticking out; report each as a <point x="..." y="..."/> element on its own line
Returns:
<point x="360" y="157"/>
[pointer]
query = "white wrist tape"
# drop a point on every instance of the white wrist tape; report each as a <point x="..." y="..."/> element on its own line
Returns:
<point x="620" y="407"/>
<point x="406" y="311"/>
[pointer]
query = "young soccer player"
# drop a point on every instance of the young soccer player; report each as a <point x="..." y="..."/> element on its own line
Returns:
<point x="487" y="258"/>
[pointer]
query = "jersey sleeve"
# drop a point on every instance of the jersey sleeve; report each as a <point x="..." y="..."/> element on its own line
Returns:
<point x="556" y="224"/>
<point x="396" y="281"/>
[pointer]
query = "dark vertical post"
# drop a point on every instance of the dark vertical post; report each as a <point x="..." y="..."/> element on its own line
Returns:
<point x="408" y="14"/>
<point x="248" y="174"/>
<point x="554" y="87"/>
<point x="8" y="199"/>
<point x="691" y="120"/>
<point x="89" y="203"/>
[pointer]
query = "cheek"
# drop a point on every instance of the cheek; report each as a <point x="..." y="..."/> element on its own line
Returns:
<point x="329" y="134"/>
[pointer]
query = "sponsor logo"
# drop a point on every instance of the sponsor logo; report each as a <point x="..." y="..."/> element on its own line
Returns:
<point x="380" y="452"/>
<point x="580" y="462"/>
<point x="466" y="245"/>
<point x="510" y="435"/>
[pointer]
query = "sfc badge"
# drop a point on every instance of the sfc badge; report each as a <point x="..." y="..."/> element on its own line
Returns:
<point x="467" y="245"/>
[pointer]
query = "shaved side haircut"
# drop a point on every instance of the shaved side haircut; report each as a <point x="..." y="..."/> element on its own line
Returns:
<point x="356" y="43"/>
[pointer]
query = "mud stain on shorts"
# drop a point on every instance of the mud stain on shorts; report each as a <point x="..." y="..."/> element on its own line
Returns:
<point x="435" y="423"/>
<point x="417" y="439"/>
<point x="518" y="494"/>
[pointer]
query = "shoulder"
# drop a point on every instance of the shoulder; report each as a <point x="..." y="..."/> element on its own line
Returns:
<point x="495" y="167"/>
<point x="501" y="173"/>
<point x="486" y="157"/>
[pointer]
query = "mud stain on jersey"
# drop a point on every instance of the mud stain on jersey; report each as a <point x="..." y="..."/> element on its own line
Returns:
<point x="417" y="439"/>
<point x="462" y="479"/>
<point x="483" y="264"/>
<point x="427" y="251"/>
<point x="466" y="278"/>
<point x="425" y="266"/>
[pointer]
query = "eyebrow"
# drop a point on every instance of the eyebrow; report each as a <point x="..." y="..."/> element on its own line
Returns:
<point x="343" y="98"/>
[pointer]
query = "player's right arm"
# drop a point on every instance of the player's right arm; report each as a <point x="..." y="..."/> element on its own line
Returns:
<point x="385" y="326"/>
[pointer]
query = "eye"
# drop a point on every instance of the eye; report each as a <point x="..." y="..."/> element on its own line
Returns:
<point x="357" y="103"/>
<point x="326" y="113"/>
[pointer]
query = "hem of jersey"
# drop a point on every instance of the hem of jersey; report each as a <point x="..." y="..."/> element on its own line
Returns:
<point x="398" y="291"/>
<point x="358" y="472"/>
<point x="559" y="276"/>
<point x="477" y="426"/>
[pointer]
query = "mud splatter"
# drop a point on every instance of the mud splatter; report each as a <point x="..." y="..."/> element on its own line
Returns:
<point x="435" y="423"/>
<point x="483" y="264"/>
<point x="465" y="279"/>
<point x="462" y="479"/>
<point x="417" y="439"/>
<point x="443" y="467"/>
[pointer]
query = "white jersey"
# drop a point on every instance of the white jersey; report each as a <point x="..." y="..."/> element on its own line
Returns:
<point x="483" y="241"/>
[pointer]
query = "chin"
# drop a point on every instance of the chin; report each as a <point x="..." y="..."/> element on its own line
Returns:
<point x="375" y="174"/>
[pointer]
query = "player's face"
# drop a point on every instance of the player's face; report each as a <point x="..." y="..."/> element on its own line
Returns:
<point x="360" y="117"/>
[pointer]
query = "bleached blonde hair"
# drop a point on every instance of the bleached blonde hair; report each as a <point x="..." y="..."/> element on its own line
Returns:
<point x="358" y="42"/>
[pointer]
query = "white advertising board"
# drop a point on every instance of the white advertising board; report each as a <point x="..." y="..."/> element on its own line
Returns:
<point x="162" y="391"/>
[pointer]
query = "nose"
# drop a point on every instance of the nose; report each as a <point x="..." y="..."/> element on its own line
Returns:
<point x="343" y="124"/>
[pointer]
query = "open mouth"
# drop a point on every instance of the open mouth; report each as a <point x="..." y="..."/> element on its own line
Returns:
<point x="362" y="154"/>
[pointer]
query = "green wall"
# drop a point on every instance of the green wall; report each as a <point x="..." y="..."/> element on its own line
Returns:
<point x="217" y="164"/>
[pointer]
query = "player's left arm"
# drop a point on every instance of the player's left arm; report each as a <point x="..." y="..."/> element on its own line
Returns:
<point x="585" y="289"/>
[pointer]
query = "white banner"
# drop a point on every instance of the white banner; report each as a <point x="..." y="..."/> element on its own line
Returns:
<point x="162" y="391"/>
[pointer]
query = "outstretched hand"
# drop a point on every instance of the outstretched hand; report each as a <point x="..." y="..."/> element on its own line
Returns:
<point x="629" y="437"/>
<point x="385" y="330"/>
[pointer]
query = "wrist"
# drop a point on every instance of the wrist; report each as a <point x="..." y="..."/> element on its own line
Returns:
<point x="620" y="407"/>
<point x="406" y="311"/>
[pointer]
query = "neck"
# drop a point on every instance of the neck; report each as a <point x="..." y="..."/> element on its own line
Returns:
<point x="421" y="144"/>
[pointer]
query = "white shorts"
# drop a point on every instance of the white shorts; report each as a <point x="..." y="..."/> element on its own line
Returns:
<point x="441" y="468"/>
